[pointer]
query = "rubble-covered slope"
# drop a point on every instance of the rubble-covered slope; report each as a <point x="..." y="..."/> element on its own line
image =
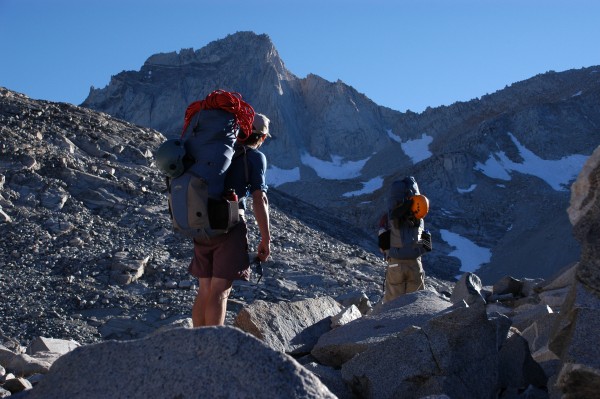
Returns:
<point x="87" y="251"/>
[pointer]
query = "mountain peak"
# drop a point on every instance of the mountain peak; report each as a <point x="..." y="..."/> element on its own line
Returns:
<point x="244" y="45"/>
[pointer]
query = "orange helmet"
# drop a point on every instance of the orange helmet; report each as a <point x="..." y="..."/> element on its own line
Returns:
<point x="420" y="206"/>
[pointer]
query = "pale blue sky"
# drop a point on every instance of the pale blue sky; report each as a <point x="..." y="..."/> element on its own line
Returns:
<point x="401" y="54"/>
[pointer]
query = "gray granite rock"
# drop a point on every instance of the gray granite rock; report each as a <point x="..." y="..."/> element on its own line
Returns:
<point x="453" y="354"/>
<point x="291" y="327"/>
<point x="341" y="344"/>
<point x="181" y="362"/>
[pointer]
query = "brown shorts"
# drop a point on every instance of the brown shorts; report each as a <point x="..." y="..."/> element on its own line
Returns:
<point x="224" y="256"/>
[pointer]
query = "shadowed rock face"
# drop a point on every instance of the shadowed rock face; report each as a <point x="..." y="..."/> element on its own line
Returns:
<point x="316" y="122"/>
<point x="442" y="357"/>
<point x="584" y="213"/>
<point x="575" y="338"/>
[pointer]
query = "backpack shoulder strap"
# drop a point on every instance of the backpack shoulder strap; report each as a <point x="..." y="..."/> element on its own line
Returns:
<point x="239" y="151"/>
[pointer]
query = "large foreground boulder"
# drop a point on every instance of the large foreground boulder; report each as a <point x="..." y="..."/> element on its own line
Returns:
<point x="180" y="363"/>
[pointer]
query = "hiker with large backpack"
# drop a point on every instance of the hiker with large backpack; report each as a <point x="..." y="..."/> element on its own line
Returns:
<point x="403" y="238"/>
<point x="211" y="171"/>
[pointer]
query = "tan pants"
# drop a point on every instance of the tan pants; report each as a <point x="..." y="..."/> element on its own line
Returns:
<point x="403" y="276"/>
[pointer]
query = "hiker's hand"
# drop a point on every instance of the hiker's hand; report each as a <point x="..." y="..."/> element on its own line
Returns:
<point x="264" y="250"/>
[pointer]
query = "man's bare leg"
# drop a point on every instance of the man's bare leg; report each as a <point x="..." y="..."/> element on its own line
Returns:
<point x="210" y="305"/>
<point x="199" y="308"/>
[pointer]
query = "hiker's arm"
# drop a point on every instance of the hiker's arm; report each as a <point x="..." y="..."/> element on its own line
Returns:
<point x="260" y="206"/>
<point x="383" y="235"/>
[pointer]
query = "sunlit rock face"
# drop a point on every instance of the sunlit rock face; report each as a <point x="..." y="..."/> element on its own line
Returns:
<point x="497" y="169"/>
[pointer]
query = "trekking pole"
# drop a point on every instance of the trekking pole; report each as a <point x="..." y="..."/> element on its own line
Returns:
<point x="257" y="268"/>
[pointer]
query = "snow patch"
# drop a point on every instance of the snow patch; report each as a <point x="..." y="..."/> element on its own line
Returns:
<point x="466" y="190"/>
<point x="337" y="169"/>
<point x="470" y="255"/>
<point x="557" y="173"/>
<point x="417" y="150"/>
<point x="277" y="176"/>
<point x="393" y="136"/>
<point x="368" y="187"/>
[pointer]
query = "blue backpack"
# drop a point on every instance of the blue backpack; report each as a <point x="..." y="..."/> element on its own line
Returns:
<point x="196" y="197"/>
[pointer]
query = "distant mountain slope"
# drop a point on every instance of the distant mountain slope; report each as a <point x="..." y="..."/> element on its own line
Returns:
<point x="497" y="169"/>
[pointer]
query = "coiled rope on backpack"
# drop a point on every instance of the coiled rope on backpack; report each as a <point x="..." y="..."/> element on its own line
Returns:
<point x="227" y="101"/>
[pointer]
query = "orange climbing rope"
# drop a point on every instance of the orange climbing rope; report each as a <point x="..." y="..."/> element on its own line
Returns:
<point x="228" y="101"/>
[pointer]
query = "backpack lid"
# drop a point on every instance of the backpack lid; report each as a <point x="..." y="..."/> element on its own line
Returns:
<point x="228" y="101"/>
<point x="402" y="190"/>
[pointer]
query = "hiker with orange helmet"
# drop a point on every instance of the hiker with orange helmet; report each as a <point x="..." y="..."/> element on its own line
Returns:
<point x="403" y="239"/>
